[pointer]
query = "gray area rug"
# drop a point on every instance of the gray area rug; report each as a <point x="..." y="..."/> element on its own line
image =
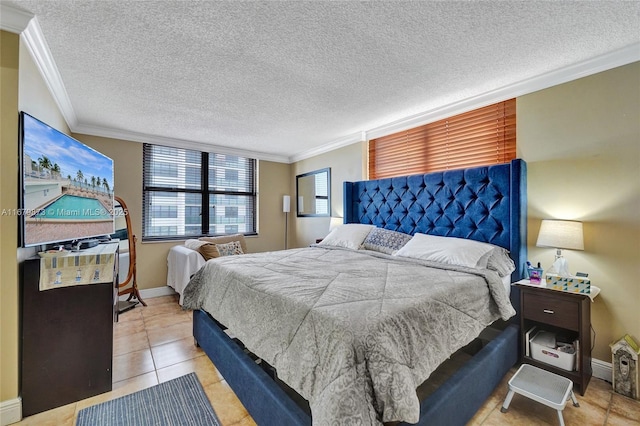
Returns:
<point x="179" y="402"/>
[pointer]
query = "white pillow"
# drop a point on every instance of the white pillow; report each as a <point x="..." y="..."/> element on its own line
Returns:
<point x="449" y="250"/>
<point x="350" y="235"/>
<point x="194" y="244"/>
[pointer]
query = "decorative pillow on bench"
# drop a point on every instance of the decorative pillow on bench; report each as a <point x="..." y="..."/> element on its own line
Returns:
<point x="229" y="249"/>
<point x="212" y="247"/>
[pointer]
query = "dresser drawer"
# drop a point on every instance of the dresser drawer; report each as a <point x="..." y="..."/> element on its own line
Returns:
<point x="551" y="310"/>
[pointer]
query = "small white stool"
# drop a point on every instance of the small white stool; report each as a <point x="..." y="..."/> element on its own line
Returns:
<point x="542" y="386"/>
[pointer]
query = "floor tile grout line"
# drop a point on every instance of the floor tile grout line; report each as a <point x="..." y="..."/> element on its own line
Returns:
<point x="606" y="415"/>
<point x="490" y="411"/>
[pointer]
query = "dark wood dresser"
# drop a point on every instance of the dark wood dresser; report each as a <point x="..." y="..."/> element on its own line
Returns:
<point x="66" y="340"/>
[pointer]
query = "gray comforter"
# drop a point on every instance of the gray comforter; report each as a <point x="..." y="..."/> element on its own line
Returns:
<point x="354" y="332"/>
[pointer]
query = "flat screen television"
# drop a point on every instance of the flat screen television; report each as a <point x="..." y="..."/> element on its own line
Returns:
<point x="66" y="193"/>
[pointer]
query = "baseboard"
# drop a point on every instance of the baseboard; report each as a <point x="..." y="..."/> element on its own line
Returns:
<point x="602" y="370"/>
<point x="10" y="411"/>
<point x="150" y="293"/>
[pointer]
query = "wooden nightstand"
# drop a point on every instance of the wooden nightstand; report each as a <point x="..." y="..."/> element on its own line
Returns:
<point x="563" y="313"/>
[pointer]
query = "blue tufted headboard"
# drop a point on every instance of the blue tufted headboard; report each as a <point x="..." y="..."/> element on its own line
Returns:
<point x="482" y="203"/>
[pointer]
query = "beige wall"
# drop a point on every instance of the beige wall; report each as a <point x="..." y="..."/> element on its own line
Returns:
<point x="9" y="46"/>
<point x="581" y="141"/>
<point x="273" y="180"/>
<point x="35" y="98"/>
<point x="152" y="257"/>
<point x="346" y="165"/>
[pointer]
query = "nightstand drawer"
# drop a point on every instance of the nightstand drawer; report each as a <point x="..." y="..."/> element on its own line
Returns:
<point x="551" y="310"/>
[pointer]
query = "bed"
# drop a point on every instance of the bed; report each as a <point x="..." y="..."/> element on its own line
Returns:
<point x="484" y="204"/>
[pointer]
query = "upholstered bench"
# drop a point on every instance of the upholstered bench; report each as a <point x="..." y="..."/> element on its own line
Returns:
<point x="185" y="260"/>
<point x="542" y="386"/>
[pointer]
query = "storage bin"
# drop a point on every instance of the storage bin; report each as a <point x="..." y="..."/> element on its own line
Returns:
<point x="544" y="348"/>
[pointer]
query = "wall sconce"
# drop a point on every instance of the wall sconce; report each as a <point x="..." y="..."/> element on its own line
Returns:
<point x="560" y="234"/>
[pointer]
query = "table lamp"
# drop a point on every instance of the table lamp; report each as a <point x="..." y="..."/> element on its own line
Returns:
<point x="560" y="234"/>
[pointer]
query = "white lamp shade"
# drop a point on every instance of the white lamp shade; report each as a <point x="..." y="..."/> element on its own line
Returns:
<point x="561" y="234"/>
<point x="286" y="204"/>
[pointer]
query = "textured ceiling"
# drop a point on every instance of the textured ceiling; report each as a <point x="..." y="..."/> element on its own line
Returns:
<point x="285" y="78"/>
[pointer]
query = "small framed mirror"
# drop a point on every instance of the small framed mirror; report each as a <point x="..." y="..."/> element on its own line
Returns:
<point x="313" y="193"/>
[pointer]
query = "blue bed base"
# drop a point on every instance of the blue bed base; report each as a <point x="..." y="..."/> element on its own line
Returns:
<point x="486" y="204"/>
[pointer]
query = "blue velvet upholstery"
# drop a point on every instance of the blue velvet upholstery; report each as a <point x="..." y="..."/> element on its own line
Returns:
<point x="459" y="398"/>
<point x="471" y="203"/>
<point x="485" y="204"/>
<point x="267" y="403"/>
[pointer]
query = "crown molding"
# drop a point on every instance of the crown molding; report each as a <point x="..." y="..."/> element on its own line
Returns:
<point x="338" y="143"/>
<point x="174" y="142"/>
<point x="616" y="58"/>
<point x="13" y="20"/>
<point x="39" y="50"/>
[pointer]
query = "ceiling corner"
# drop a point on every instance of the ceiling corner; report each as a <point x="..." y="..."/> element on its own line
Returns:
<point x="13" y="20"/>
<point x="339" y="143"/>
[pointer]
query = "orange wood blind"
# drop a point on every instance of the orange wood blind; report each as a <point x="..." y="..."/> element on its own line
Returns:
<point x="480" y="137"/>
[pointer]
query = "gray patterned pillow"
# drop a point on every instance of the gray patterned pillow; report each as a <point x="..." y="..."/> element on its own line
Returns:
<point x="385" y="240"/>
<point x="229" y="249"/>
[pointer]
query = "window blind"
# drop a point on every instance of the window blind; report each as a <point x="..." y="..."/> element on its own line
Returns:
<point x="476" y="138"/>
<point x="189" y="193"/>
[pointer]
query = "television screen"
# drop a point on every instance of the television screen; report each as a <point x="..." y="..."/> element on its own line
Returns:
<point x="67" y="187"/>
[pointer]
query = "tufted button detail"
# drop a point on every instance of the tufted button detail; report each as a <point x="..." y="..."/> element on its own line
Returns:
<point x="453" y="203"/>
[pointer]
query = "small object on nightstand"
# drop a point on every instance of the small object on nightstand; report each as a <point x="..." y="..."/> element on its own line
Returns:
<point x="570" y="284"/>
<point x="535" y="275"/>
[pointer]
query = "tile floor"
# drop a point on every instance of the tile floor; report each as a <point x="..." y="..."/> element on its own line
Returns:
<point x="153" y="344"/>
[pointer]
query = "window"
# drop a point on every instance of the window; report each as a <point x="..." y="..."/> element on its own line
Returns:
<point x="161" y="211"/>
<point x="230" y="175"/>
<point x="322" y="194"/>
<point x="481" y="137"/>
<point x="231" y="212"/>
<point x="179" y="182"/>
